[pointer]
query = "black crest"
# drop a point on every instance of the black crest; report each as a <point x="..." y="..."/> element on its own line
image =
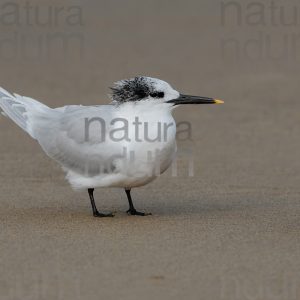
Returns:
<point x="134" y="89"/>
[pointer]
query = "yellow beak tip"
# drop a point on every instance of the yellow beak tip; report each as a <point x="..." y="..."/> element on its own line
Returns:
<point x="217" y="101"/>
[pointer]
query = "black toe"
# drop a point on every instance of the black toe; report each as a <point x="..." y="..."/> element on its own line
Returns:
<point x="134" y="212"/>
<point x="100" y="215"/>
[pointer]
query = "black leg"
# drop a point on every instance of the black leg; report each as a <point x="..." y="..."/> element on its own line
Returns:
<point x="132" y="211"/>
<point x="95" y="211"/>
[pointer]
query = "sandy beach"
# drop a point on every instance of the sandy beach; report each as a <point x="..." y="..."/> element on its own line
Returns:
<point x="229" y="231"/>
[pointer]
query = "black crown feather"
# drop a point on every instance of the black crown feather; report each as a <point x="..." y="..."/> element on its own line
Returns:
<point x="134" y="89"/>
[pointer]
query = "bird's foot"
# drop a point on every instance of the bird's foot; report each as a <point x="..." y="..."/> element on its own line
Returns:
<point x="100" y="215"/>
<point x="134" y="212"/>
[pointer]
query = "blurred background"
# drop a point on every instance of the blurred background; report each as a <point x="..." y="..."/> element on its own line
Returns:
<point x="230" y="231"/>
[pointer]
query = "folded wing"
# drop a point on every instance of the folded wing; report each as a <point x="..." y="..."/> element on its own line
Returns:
<point x="75" y="136"/>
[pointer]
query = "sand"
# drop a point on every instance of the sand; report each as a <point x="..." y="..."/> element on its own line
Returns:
<point x="229" y="232"/>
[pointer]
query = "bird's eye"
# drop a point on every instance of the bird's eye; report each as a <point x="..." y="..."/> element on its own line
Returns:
<point x="157" y="95"/>
<point x="141" y="94"/>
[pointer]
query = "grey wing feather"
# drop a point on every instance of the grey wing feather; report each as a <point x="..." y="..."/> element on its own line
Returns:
<point x="72" y="135"/>
<point x="75" y="138"/>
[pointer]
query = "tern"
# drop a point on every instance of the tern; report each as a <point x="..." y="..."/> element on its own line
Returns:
<point x="125" y="144"/>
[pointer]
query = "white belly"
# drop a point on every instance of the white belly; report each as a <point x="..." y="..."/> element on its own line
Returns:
<point x="143" y="158"/>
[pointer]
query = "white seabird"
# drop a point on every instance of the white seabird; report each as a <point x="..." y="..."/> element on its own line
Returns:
<point x="125" y="144"/>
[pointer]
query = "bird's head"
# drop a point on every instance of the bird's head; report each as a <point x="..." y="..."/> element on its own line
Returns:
<point x="144" y="88"/>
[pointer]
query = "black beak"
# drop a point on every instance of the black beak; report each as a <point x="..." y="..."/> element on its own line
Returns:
<point x="187" y="99"/>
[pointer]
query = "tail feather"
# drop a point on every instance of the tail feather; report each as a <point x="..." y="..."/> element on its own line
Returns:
<point x="21" y="109"/>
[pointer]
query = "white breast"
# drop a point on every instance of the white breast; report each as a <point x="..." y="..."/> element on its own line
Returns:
<point x="152" y="149"/>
